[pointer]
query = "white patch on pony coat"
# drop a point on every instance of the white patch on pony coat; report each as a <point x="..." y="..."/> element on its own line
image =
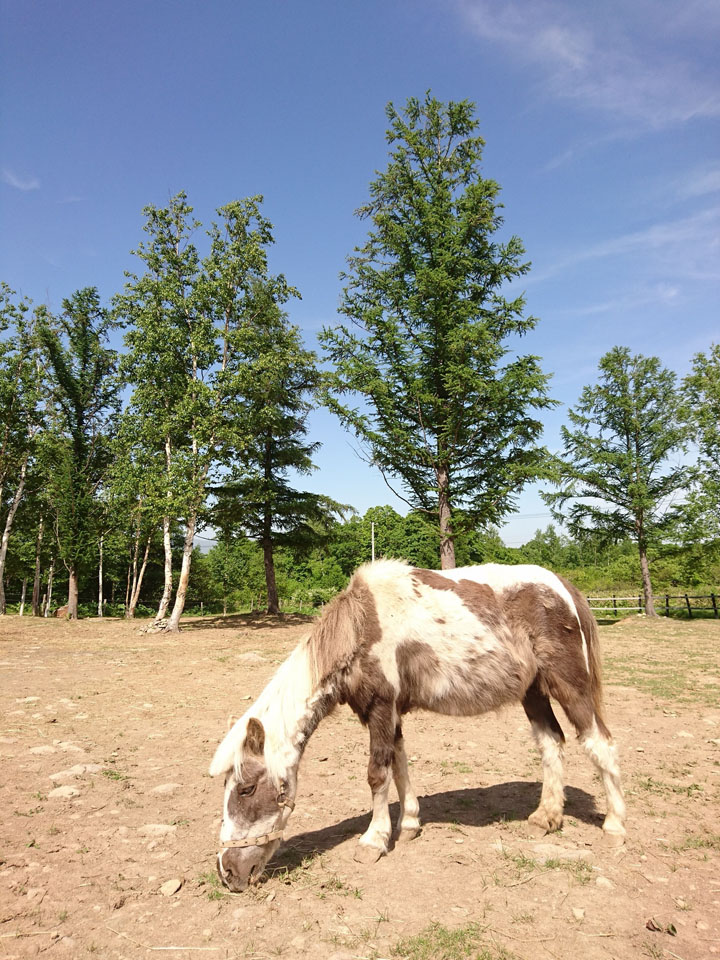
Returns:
<point x="437" y="618"/>
<point x="281" y="707"/>
<point x="502" y="576"/>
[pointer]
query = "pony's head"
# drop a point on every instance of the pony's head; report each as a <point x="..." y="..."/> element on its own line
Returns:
<point x="257" y="805"/>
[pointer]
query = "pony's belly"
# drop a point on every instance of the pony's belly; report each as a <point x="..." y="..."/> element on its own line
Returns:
<point x="468" y="685"/>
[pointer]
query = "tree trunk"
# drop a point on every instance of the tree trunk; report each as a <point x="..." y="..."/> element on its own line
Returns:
<point x="273" y="603"/>
<point x="48" y="599"/>
<point x="167" y="591"/>
<point x="174" y="622"/>
<point x="447" y="540"/>
<point x="12" y="510"/>
<point x="21" y="611"/>
<point x="36" y="605"/>
<point x="135" y="595"/>
<point x="647" y="585"/>
<point x="131" y="584"/>
<point x="72" y="595"/>
<point x="100" y="580"/>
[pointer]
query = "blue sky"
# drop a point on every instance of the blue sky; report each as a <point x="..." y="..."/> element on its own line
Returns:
<point x="601" y="123"/>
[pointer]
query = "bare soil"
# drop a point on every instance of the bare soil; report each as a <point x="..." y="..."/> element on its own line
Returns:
<point x="127" y="722"/>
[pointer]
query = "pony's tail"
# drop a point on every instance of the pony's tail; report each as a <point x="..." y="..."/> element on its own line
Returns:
<point x="592" y="639"/>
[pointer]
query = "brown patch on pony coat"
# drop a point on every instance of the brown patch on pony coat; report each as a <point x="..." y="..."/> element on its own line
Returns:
<point x="554" y="633"/>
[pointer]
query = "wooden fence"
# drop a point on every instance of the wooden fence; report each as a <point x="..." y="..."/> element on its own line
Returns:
<point x="626" y="605"/>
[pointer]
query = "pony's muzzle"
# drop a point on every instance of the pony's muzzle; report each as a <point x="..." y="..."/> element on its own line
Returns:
<point x="237" y="869"/>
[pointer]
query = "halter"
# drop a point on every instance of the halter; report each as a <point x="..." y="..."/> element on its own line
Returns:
<point x="264" y="838"/>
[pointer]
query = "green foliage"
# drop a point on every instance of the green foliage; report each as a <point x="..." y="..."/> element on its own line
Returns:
<point x="446" y="409"/>
<point x="85" y="404"/>
<point x="616" y="470"/>
<point x="702" y="411"/>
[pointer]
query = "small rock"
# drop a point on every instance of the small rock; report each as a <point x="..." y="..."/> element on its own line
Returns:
<point x="27" y="700"/>
<point x="685" y="735"/>
<point x="251" y="657"/>
<point x="77" y="771"/>
<point x="45" y="748"/>
<point x="171" y="886"/>
<point x="166" y="788"/>
<point x="63" y="793"/>
<point x="36" y="894"/>
<point x="157" y="829"/>
<point x="604" y="883"/>
<point x="270" y="897"/>
<point x="578" y="913"/>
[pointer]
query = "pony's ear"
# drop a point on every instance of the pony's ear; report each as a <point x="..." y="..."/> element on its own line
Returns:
<point x="255" y="739"/>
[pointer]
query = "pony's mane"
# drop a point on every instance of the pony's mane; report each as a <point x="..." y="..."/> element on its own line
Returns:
<point x="350" y="619"/>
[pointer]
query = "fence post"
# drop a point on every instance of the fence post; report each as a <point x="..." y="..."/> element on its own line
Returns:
<point x="687" y="601"/>
<point x="714" y="603"/>
<point x="640" y="606"/>
<point x="667" y="605"/>
<point x="614" y="605"/>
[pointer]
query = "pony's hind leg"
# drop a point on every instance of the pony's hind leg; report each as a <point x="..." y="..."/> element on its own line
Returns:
<point x="408" y="825"/>
<point x="549" y="739"/>
<point x="381" y="723"/>
<point x="601" y="750"/>
<point x="597" y="741"/>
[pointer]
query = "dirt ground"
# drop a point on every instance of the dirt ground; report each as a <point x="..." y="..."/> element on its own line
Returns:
<point x="110" y="821"/>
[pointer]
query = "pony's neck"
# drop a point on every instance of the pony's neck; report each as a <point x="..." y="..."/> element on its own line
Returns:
<point x="290" y="708"/>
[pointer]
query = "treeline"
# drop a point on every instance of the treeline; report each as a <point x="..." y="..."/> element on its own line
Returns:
<point x="181" y="405"/>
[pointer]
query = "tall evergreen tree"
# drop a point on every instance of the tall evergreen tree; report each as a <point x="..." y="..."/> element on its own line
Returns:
<point x="448" y="409"/>
<point x="616" y="469"/>
<point x="85" y="395"/>
<point x="279" y="377"/>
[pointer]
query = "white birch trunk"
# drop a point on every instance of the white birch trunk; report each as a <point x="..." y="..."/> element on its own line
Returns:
<point x="12" y="510"/>
<point x="21" y="611"/>
<point x="49" y="588"/>
<point x="100" y="580"/>
<point x="174" y="622"/>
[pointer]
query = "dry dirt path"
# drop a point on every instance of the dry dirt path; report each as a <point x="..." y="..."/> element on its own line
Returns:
<point x="107" y="807"/>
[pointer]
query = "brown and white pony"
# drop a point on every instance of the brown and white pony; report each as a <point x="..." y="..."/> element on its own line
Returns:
<point x="458" y="642"/>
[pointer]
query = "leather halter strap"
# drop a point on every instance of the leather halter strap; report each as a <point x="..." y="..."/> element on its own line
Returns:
<point x="264" y="838"/>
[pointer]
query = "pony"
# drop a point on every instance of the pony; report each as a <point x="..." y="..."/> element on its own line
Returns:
<point x="460" y="642"/>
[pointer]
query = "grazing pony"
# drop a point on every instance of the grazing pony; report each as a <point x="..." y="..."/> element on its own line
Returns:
<point x="458" y="642"/>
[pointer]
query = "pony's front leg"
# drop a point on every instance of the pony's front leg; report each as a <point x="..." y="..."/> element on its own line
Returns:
<point x="408" y="825"/>
<point x="374" y="842"/>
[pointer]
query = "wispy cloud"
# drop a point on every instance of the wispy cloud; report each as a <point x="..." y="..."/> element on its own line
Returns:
<point x="19" y="182"/>
<point x="687" y="248"/>
<point x="614" y="57"/>
<point x="701" y="181"/>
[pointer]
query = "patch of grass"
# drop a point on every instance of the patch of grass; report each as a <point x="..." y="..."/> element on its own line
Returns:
<point x="437" y="942"/>
<point x="454" y="766"/>
<point x="114" y="774"/>
<point x="651" y="785"/>
<point x="708" y="841"/>
<point x="213" y="888"/>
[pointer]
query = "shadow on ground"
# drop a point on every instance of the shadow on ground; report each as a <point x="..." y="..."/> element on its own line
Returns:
<point x="248" y="621"/>
<point x="471" y="807"/>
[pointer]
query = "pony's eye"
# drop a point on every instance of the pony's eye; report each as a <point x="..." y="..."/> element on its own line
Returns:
<point x="247" y="791"/>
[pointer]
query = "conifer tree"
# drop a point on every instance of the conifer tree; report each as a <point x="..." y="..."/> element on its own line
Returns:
<point x="448" y="409"/>
<point x="616" y="469"/>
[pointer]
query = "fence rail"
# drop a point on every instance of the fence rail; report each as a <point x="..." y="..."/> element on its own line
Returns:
<point x="621" y="605"/>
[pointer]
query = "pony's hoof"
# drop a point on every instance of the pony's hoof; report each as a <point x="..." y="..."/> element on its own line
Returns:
<point x="407" y="834"/>
<point x="365" y="854"/>
<point x="539" y="823"/>
<point x="613" y="838"/>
